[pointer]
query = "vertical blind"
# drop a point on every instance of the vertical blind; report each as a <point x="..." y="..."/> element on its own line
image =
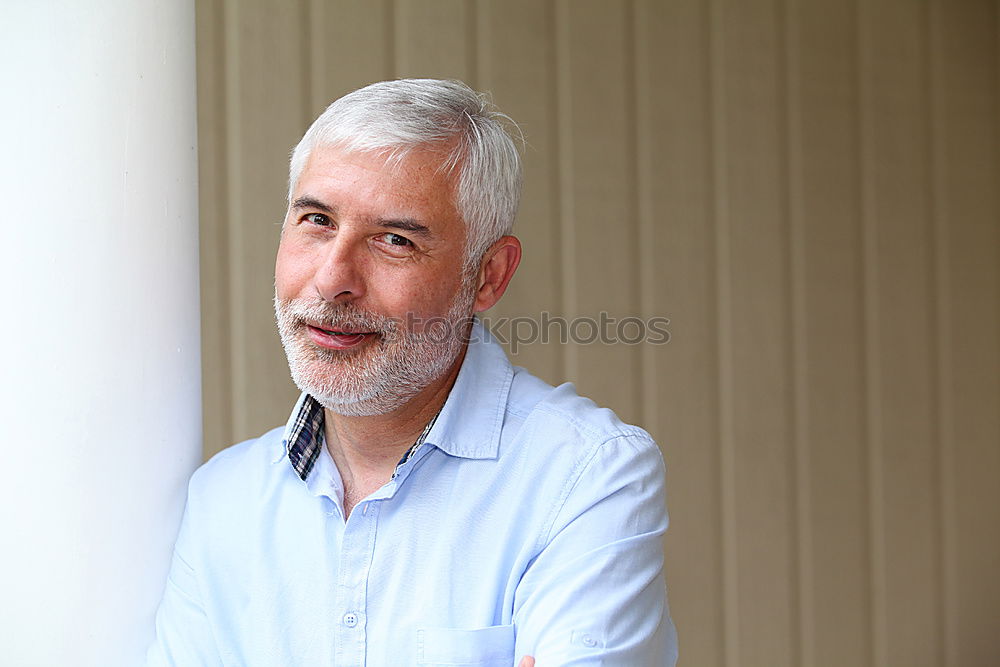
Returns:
<point x="806" y="189"/>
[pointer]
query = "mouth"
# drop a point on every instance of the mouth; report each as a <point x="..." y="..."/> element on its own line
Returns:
<point x="338" y="340"/>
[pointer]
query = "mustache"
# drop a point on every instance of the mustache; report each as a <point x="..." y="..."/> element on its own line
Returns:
<point x="335" y="317"/>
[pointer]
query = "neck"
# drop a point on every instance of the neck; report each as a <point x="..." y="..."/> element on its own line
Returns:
<point x="366" y="449"/>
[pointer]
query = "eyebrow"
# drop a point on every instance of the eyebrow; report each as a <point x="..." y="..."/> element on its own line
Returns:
<point x="404" y="224"/>
<point x="311" y="202"/>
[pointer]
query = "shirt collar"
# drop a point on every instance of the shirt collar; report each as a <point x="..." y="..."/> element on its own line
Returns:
<point x="470" y="422"/>
<point x="303" y="437"/>
<point x="468" y="426"/>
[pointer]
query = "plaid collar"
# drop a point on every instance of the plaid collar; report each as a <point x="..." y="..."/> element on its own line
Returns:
<point x="306" y="438"/>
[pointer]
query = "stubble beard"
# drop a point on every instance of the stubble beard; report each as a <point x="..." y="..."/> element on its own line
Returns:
<point x="382" y="375"/>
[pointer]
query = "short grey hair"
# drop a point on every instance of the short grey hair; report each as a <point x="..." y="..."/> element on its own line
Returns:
<point x="394" y="117"/>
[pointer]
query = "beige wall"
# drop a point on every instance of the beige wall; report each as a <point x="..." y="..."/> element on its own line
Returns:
<point x="808" y="189"/>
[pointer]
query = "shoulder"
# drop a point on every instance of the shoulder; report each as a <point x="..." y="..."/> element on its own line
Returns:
<point x="226" y="498"/>
<point x="561" y="416"/>
<point x="246" y="467"/>
<point x="567" y="445"/>
<point x="583" y="463"/>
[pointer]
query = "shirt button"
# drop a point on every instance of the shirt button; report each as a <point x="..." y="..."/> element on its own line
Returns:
<point x="588" y="641"/>
<point x="350" y="619"/>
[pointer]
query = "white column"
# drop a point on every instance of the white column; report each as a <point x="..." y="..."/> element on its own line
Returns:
<point x="100" y="394"/>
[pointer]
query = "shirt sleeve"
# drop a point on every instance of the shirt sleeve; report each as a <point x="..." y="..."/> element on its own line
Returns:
<point x="183" y="634"/>
<point x="595" y="593"/>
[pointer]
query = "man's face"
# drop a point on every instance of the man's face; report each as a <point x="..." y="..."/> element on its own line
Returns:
<point x="369" y="254"/>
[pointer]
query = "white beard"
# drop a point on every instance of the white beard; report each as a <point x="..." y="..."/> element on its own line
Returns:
<point x="382" y="375"/>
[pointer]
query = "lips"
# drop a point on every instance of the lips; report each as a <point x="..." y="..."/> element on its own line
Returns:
<point x="338" y="340"/>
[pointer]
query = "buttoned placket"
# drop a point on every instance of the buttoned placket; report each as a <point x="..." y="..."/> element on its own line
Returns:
<point x="350" y="602"/>
<point x="356" y="554"/>
<point x="357" y="548"/>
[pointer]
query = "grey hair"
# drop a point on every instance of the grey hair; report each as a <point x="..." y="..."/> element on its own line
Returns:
<point x="394" y="117"/>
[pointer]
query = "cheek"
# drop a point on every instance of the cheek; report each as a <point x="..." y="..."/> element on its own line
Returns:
<point x="291" y="270"/>
<point x="424" y="298"/>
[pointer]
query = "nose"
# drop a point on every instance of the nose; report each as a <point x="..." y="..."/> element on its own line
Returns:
<point x="340" y="275"/>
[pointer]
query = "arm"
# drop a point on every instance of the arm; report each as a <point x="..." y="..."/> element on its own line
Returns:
<point x="183" y="635"/>
<point x="595" y="593"/>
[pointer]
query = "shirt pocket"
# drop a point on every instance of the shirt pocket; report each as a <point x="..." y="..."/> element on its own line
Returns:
<point x="487" y="647"/>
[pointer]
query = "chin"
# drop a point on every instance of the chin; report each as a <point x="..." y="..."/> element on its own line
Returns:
<point x="363" y="408"/>
<point x="355" y="390"/>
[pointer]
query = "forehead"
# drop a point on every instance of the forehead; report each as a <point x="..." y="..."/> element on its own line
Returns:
<point x="414" y="186"/>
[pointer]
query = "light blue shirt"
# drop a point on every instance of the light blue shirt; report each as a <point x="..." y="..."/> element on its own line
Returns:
<point x="529" y="523"/>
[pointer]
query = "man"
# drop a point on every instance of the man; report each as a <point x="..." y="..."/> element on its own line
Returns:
<point x="426" y="503"/>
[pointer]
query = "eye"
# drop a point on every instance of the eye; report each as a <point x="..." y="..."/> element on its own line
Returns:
<point x="397" y="240"/>
<point x="395" y="245"/>
<point x="317" y="219"/>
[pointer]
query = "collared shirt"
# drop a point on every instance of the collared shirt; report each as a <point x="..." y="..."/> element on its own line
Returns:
<point x="528" y="523"/>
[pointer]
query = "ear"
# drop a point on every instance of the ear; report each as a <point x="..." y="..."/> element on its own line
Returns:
<point x="499" y="264"/>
